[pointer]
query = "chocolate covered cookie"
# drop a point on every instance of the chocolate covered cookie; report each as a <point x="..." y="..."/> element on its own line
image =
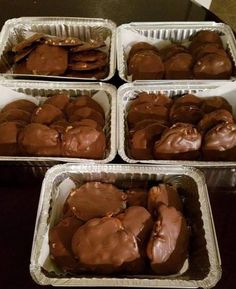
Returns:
<point x="46" y="114"/>
<point x="21" y="104"/>
<point x="58" y="100"/>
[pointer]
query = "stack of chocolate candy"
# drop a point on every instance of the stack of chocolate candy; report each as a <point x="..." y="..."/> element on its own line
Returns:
<point x="41" y="54"/>
<point x="105" y="229"/>
<point x="205" y="58"/>
<point x="187" y="128"/>
<point x="59" y="127"/>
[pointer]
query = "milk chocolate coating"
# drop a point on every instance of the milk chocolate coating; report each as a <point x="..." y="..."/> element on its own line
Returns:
<point x="87" y="112"/>
<point x="206" y="36"/>
<point x="39" y="140"/>
<point x="87" y="66"/>
<point x="21" y="68"/>
<point x="206" y="48"/>
<point x="15" y="114"/>
<point x="62" y="41"/>
<point x="140" y="46"/>
<point x="143" y="124"/>
<point x="87" y="122"/>
<point x="146" y="111"/>
<point x="48" y="60"/>
<point x="215" y="102"/>
<point x="213" y="118"/>
<point x="138" y="221"/>
<point x="46" y="114"/>
<point x="8" y="138"/>
<point x="88" y="56"/>
<point x="96" y="199"/>
<point x="156" y="99"/>
<point x="23" y="53"/>
<point x="27" y="42"/>
<point x="179" y="66"/>
<point x="168" y="245"/>
<point x="172" y="50"/>
<point x="84" y="142"/>
<point x="220" y="142"/>
<point x="83" y="101"/>
<point x="104" y="246"/>
<point x="180" y="140"/>
<point x="97" y="73"/>
<point x="58" y="100"/>
<point x="185" y="113"/>
<point x="90" y="45"/>
<point x="213" y="66"/>
<point x="22" y="104"/>
<point x="189" y="99"/>
<point x="137" y="197"/>
<point x="142" y="141"/>
<point x="163" y="194"/>
<point x="60" y="238"/>
<point x="146" y="64"/>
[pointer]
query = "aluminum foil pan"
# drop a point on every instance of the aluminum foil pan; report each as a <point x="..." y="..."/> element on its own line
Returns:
<point x="174" y="31"/>
<point x="204" y="268"/>
<point x="14" y="30"/>
<point x="40" y="90"/>
<point x="129" y="91"/>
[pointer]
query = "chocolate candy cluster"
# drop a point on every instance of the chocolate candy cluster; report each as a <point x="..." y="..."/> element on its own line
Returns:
<point x="205" y="58"/>
<point x="105" y="229"/>
<point x="50" y="55"/>
<point x="59" y="127"/>
<point x="185" y="128"/>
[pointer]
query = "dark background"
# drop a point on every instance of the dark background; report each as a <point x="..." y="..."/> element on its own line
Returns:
<point x="20" y="189"/>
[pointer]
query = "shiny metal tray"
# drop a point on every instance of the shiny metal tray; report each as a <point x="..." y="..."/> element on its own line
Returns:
<point x="41" y="89"/>
<point x="204" y="259"/>
<point x="14" y="30"/>
<point x="174" y="31"/>
<point x="129" y="91"/>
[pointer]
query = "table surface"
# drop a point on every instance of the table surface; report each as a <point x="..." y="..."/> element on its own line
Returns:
<point x="19" y="199"/>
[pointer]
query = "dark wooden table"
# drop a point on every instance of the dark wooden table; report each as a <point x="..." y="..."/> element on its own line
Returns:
<point x="20" y="189"/>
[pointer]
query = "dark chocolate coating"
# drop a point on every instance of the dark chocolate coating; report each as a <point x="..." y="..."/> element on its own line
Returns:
<point x="215" y="102"/>
<point x="83" y="101"/>
<point x="163" y="194"/>
<point x="96" y="199"/>
<point x="213" y="66"/>
<point x="8" y="138"/>
<point x="206" y="36"/>
<point x="179" y="66"/>
<point x="213" y="118"/>
<point x="60" y="237"/>
<point x="15" y="114"/>
<point x="88" y="56"/>
<point x="104" y="246"/>
<point x="39" y="140"/>
<point x="142" y="140"/>
<point x="48" y="60"/>
<point x="58" y="100"/>
<point x="168" y="245"/>
<point x="156" y="99"/>
<point x="84" y="142"/>
<point x="137" y="197"/>
<point x="220" y="143"/>
<point x="178" y="139"/>
<point x="22" y="104"/>
<point x="146" y="64"/>
<point x="46" y="114"/>
<point x="172" y="50"/>
<point x="188" y="99"/>
<point x="146" y="111"/>
<point x="185" y="113"/>
<point x="140" y="46"/>
<point x="138" y="221"/>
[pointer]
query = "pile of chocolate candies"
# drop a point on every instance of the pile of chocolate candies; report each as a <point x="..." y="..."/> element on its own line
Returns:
<point x="185" y="128"/>
<point x="59" y="127"/>
<point x="41" y="54"/>
<point x="205" y="58"/>
<point x="99" y="231"/>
